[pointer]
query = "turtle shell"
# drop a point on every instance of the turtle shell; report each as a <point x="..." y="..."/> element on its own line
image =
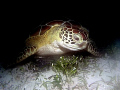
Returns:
<point x="41" y="29"/>
<point x="70" y="25"/>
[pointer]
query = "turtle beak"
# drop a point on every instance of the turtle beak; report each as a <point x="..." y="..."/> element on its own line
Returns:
<point x="83" y="45"/>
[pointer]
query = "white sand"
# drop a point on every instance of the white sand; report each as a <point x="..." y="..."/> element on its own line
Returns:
<point x="104" y="75"/>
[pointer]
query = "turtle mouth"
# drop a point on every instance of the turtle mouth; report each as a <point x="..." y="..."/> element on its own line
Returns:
<point x="75" y="46"/>
<point x="82" y="44"/>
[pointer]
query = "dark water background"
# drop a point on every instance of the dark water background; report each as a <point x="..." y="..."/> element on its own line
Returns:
<point x="18" y="20"/>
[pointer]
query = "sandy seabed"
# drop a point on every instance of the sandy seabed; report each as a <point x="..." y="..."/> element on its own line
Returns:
<point x="104" y="74"/>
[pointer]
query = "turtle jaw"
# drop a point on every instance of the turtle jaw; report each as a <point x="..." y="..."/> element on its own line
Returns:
<point x="74" y="47"/>
<point x="82" y="45"/>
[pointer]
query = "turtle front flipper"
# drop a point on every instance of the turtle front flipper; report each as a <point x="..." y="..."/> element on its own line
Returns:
<point x="92" y="49"/>
<point x="28" y="51"/>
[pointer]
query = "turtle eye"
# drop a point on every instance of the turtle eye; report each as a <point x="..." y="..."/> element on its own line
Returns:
<point x="76" y="37"/>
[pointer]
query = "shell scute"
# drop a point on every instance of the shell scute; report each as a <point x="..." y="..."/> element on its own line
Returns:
<point x="52" y="23"/>
<point x="43" y="28"/>
<point x="39" y="30"/>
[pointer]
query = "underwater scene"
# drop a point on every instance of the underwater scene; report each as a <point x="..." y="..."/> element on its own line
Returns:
<point x="67" y="73"/>
<point x="84" y="68"/>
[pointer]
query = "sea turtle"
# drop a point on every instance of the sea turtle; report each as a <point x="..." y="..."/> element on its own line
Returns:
<point x="56" y="38"/>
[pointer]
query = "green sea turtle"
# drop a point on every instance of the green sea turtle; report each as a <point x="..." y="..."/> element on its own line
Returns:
<point x="56" y="38"/>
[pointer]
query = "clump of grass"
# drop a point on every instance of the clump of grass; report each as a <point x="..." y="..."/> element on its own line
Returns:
<point x="67" y="65"/>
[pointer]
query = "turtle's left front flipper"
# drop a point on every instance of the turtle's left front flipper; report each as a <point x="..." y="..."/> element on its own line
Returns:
<point x="28" y="51"/>
<point x="93" y="50"/>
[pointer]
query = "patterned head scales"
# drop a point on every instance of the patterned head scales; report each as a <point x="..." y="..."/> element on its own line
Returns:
<point x="74" y="36"/>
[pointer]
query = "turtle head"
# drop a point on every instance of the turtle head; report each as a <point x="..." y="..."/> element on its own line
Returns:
<point x="74" y="37"/>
